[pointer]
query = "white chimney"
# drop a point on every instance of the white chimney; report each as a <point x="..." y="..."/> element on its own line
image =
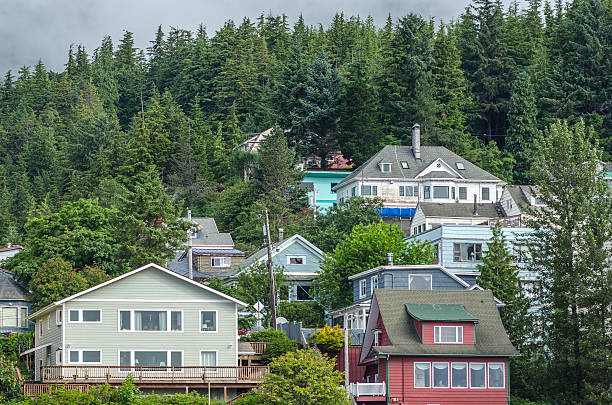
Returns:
<point x="281" y="234"/>
<point x="416" y="141"/>
<point x="390" y="259"/>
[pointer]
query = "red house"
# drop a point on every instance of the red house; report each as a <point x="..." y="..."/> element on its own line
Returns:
<point x="434" y="347"/>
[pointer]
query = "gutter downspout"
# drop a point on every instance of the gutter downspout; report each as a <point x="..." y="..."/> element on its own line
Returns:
<point x="387" y="380"/>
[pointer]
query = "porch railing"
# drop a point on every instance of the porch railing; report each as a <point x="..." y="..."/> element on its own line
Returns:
<point x="259" y="347"/>
<point x="95" y="374"/>
<point x="367" y="389"/>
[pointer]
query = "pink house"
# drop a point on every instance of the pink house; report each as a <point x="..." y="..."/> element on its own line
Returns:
<point x="434" y="347"/>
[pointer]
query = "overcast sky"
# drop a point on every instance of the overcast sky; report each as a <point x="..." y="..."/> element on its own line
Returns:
<point x="44" y="29"/>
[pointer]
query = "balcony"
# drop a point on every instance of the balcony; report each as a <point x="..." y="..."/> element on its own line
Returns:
<point x="370" y="390"/>
<point x="249" y="375"/>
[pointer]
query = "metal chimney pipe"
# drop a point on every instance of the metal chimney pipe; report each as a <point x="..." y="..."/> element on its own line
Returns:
<point x="390" y="259"/>
<point x="281" y="234"/>
<point x="416" y="141"/>
<point x="189" y="243"/>
<point x="475" y="206"/>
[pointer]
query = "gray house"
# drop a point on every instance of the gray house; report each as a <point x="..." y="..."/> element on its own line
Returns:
<point x="300" y="261"/>
<point x="15" y="305"/>
<point x="165" y="330"/>
<point x="431" y="215"/>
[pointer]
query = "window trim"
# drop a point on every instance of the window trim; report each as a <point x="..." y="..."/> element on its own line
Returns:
<point x="363" y="282"/>
<point x="133" y="320"/>
<point x="58" y="317"/>
<point x="427" y="192"/>
<point x="467" y="375"/>
<point x="80" y="311"/>
<point x="19" y="318"/>
<point x="216" y="321"/>
<point x="439" y="188"/>
<point x="296" y="293"/>
<point x="482" y="194"/>
<point x="458" y="334"/>
<point x="488" y="376"/>
<point x="58" y="357"/>
<point x="80" y="351"/>
<point x="382" y="167"/>
<point x="210" y="351"/>
<point x="373" y="190"/>
<point x="404" y="164"/>
<point x="221" y="260"/>
<point x="448" y="377"/>
<point x="133" y="366"/>
<point x="289" y="257"/>
<point x="417" y="274"/>
<point x="372" y="279"/>
<point x="414" y="366"/>
<point x="376" y="333"/>
<point x="470" y="375"/>
<point x="467" y="260"/>
<point x="459" y="193"/>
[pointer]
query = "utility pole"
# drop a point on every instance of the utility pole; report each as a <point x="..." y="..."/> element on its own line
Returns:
<point x="190" y="244"/>
<point x="346" y="353"/>
<point x="270" y="270"/>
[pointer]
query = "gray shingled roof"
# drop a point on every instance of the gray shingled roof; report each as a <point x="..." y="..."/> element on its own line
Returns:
<point x="395" y="154"/>
<point x="264" y="251"/>
<point x="209" y="235"/>
<point x="11" y="289"/>
<point x="180" y="265"/>
<point x="491" y="337"/>
<point x="459" y="210"/>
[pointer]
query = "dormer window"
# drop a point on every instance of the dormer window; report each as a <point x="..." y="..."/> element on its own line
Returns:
<point x="385" y="167"/>
<point x="376" y="335"/>
<point x="448" y="334"/>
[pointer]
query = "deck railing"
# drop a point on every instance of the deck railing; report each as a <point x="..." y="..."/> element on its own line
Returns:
<point x="116" y="374"/>
<point x="34" y="389"/>
<point x="259" y="347"/>
<point x="367" y="389"/>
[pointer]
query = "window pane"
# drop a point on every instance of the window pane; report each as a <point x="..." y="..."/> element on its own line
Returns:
<point x="426" y="192"/>
<point x="151" y="359"/>
<point x="421" y="375"/>
<point x="176" y="359"/>
<point x="440" y="375"/>
<point x="459" y="375"/>
<point x="209" y="321"/>
<point x="125" y="358"/>
<point x="296" y="260"/>
<point x="496" y="375"/>
<point x="9" y="317"/>
<point x="150" y="320"/>
<point x="176" y="320"/>
<point x="463" y="193"/>
<point x="401" y="191"/>
<point x="24" y="317"/>
<point x="74" y="356"/>
<point x="440" y="192"/>
<point x="209" y="359"/>
<point x="448" y="334"/>
<point x="91" y="356"/>
<point x="124" y="320"/>
<point x="74" y="315"/>
<point x="477" y="375"/>
<point x="91" y="315"/>
<point x="485" y="193"/>
<point x="304" y="293"/>
<point x="420" y="282"/>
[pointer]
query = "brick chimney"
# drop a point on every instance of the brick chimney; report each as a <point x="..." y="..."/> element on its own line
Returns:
<point x="416" y="141"/>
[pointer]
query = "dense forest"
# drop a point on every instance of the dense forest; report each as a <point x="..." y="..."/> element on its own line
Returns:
<point x="118" y="120"/>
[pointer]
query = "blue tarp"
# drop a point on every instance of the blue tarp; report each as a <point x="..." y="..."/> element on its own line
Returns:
<point x="397" y="212"/>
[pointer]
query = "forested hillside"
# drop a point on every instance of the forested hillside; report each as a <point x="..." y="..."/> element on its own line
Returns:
<point x="121" y="124"/>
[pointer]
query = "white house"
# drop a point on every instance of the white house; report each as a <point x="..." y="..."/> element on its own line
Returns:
<point x="430" y="215"/>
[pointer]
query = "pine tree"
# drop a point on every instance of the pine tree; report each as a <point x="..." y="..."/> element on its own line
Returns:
<point x="104" y="75"/>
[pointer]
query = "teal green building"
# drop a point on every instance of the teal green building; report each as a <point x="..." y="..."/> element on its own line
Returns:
<point x="319" y="184"/>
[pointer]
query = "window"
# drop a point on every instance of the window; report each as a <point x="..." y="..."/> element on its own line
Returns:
<point x="448" y="334"/>
<point x="353" y="191"/>
<point x="208" y="321"/>
<point x="49" y="322"/>
<point x="369" y="190"/>
<point x="453" y="193"/>
<point x="296" y="259"/>
<point x="377" y="337"/>
<point x="374" y="283"/>
<point x="404" y="164"/>
<point x="460" y="166"/>
<point x="409" y="191"/>
<point x="440" y="375"/>
<point x="125" y="360"/>
<point x="220" y="262"/>
<point x="485" y="193"/>
<point x="331" y="186"/>
<point x="40" y="329"/>
<point x="497" y="378"/>
<point x="463" y="193"/>
<point x="150" y="358"/>
<point x="84" y="316"/>
<point x="467" y="252"/>
<point x="10" y="317"/>
<point x="436" y="258"/>
<point x="23" y="317"/>
<point x="362" y="288"/>
<point x="440" y="191"/>
<point x="477" y="375"/>
<point x="419" y="282"/>
<point x="150" y="321"/>
<point x="303" y="293"/>
<point x="208" y="358"/>
<point x="58" y="357"/>
<point x="426" y="192"/>
<point x="385" y="167"/>
<point x="85" y="356"/>
<point x="459" y="375"/>
<point x="58" y="317"/>
<point x="422" y="375"/>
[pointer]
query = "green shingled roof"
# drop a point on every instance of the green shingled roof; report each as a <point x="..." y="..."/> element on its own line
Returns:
<point x="440" y="312"/>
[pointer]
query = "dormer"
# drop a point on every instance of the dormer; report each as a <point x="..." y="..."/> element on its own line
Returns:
<point x="439" y="169"/>
<point x="442" y="324"/>
<point x="385" y="167"/>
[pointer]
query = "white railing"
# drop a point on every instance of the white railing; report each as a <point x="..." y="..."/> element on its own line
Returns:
<point x="368" y="389"/>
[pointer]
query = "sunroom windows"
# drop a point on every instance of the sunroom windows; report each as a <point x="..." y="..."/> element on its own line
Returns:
<point x="151" y="321"/>
<point x="460" y="375"/>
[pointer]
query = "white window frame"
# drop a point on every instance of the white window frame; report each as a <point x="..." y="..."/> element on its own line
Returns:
<point x="210" y="351"/>
<point x="373" y="282"/>
<point x="459" y="193"/>
<point x="482" y="192"/>
<point x="19" y="317"/>
<point x="58" y="357"/>
<point x="376" y="333"/>
<point x="224" y="261"/>
<point x="289" y="257"/>
<point x="448" y="377"/>
<point x="373" y="190"/>
<point x="470" y="375"/>
<point x="383" y="165"/>
<point x="40" y="328"/>
<point x="363" y="288"/>
<point x="467" y="375"/>
<point x="420" y="275"/>
<point x="414" y="366"/>
<point x="458" y="334"/>
<point x="216" y="321"/>
<point x="80" y="351"/>
<point x="488" y="376"/>
<point x="404" y="164"/>
<point x="80" y="311"/>
<point x="440" y="187"/>
<point x="133" y="366"/>
<point x="58" y="317"/>
<point x="133" y="321"/>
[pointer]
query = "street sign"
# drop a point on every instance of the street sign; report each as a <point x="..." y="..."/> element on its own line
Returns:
<point x="258" y="306"/>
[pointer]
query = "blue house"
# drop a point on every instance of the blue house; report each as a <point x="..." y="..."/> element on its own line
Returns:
<point x="15" y="306"/>
<point x="300" y="262"/>
<point x="319" y="184"/>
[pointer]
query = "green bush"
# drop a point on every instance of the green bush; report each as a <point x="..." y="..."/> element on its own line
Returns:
<point x="329" y="340"/>
<point x="9" y="346"/>
<point x="252" y="398"/>
<point x="521" y="401"/>
<point x="10" y="386"/>
<point x="268" y="335"/>
<point x="310" y="313"/>
<point x="278" y="348"/>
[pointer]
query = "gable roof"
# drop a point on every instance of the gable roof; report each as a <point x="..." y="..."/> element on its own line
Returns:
<point x="253" y="144"/>
<point x="278" y="247"/>
<point x="490" y="336"/>
<point x="10" y="289"/>
<point x="395" y="154"/>
<point x="409" y="267"/>
<point x="208" y="234"/>
<point x="440" y="312"/>
<point x="459" y="210"/>
<point x="128" y="274"/>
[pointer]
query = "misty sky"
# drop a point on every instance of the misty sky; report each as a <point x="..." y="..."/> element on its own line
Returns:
<point x="44" y="29"/>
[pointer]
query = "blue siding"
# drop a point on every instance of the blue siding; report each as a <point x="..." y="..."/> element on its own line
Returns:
<point x="322" y="181"/>
<point x="297" y="249"/>
<point x="17" y="304"/>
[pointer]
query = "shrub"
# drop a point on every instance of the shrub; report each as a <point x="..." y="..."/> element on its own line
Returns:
<point x="310" y="313"/>
<point x="9" y="346"/>
<point x="268" y="335"/>
<point x="10" y="386"/>
<point x="329" y="340"/>
<point x="278" y="348"/>
<point x="252" y="398"/>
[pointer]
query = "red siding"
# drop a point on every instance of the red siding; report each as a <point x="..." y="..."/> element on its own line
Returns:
<point x="383" y="338"/>
<point x="419" y="328"/>
<point x="468" y="331"/>
<point x="356" y="372"/>
<point x="401" y="385"/>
